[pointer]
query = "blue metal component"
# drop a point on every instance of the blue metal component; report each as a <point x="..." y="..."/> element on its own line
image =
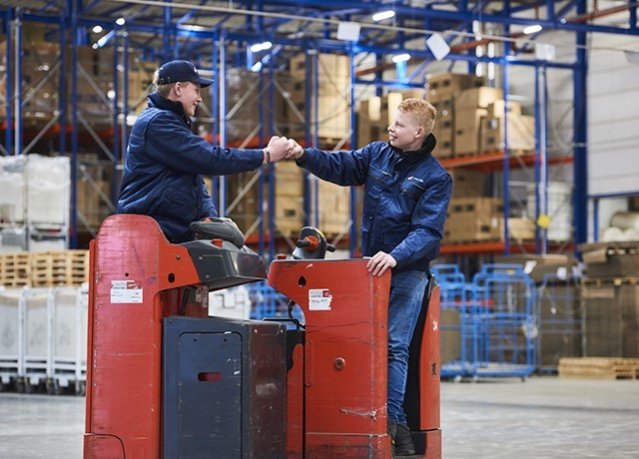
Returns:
<point x="18" y="89"/>
<point x="537" y="165"/>
<point x="353" y="230"/>
<point x="559" y="320"/>
<point x="507" y="321"/>
<point x="469" y="15"/>
<point x="580" y="126"/>
<point x="506" y="162"/>
<point x="215" y="108"/>
<point x="9" y="85"/>
<point x="62" y="101"/>
<point x="488" y="326"/>
<point x="73" y="240"/>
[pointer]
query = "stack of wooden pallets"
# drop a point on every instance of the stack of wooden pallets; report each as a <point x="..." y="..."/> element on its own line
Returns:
<point x="44" y="269"/>
<point x="599" y="368"/>
<point x="15" y="269"/>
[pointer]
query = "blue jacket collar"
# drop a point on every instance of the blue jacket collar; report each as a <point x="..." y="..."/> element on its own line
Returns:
<point x="411" y="156"/>
<point x="157" y="101"/>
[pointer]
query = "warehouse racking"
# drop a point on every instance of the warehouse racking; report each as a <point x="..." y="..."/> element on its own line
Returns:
<point x="218" y="37"/>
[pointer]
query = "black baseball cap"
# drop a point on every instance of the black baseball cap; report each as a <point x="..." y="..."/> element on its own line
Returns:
<point x="176" y="71"/>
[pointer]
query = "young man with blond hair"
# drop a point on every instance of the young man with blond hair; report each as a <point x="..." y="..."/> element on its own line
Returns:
<point x="406" y="198"/>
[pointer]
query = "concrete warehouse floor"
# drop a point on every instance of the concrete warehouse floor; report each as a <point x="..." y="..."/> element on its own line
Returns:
<point x="540" y="418"/>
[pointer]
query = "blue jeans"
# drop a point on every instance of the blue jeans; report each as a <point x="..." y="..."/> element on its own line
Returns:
<point x="404" y="305"/>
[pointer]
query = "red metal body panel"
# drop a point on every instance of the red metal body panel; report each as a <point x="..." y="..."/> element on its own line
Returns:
<point x="123" y="416"/>
<point x="345" y="354"/>
<point x="430" y="367"/>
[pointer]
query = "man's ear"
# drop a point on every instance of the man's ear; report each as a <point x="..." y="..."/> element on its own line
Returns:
<point x="420" y="133"/>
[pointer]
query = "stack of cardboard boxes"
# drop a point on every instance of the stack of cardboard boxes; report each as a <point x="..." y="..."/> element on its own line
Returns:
<point x="610" y="299"/>
<point x="471" y="117"/>
<point x="333" y="114"/>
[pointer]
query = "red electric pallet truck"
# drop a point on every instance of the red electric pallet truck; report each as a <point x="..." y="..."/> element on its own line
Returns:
<point x="164" y="380"/>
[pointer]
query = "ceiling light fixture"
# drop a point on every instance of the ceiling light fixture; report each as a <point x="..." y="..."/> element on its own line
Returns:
<point x="532" y="29"/>
<point x="401" y="58"/>
<point x="257" y="47"/>
<point x="383" y="15"/>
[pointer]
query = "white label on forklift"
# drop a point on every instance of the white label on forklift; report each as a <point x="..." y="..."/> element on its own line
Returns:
<point x="125" y="291"/>
<point x="319" y="299"/>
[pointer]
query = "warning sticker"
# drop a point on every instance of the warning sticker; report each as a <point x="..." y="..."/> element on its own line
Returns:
<point x="125" y="291"/>
<point x="319" y="299"/>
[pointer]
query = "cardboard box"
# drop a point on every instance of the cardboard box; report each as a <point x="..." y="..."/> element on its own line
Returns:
<point x="448" y="85"/>
<point x="449" y="335"/>
<point x="381" y="109"/>
<point x="521" y="134"/>
<point x="496" y="108"/>
<point x="611" y="319"/>
<point x="468" y="183"/>
<point x="467" y="130"/>
<point x="334" y="208"/>
<point x="521" y="229"/>
<point x="551" y="268"/>
<point x="329" y="66"/>
<point x="445" y="142"/>
<point x="445" y="108"/>
<point x="474" y="219"/>
<point x="480" y="97"/>
<point x="369" y="131"/>
<point x="611" y="259"/>
<point x="559" y="322"/>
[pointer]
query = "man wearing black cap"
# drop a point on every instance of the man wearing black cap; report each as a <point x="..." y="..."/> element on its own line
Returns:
<point x="165" y="160"/>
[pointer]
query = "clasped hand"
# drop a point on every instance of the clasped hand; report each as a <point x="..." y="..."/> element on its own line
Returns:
<point x="282" y="148"/>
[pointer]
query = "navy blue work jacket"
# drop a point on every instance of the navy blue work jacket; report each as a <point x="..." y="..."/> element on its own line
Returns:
<point x="164" y="166"/>
<point x="405" y="201"/>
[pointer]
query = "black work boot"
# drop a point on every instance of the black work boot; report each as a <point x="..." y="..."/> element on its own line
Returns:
<point x="392" y="432"/>
<point x="403" y="441"/>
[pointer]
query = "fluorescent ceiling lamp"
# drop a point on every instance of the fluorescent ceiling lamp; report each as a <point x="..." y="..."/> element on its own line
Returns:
<point x="257" y="47"/>
<point x="401" y="58"/>
<point x="97" y="29"/>
<point x="194" y="28"/>
<point x="103" y="41"/>
<point x="256" y="67"/>
<point x="383" y="15"/>
<point x="120" y="21"/>
<point x="532" y="29"/>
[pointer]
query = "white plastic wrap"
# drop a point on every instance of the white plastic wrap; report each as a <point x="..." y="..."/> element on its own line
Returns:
<point x="559" y="209"/>
<point x="48" y="189"/>
<point x="12" y="184"/>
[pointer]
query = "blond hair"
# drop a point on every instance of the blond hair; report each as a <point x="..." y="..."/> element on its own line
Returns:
<point x="161" y="89"/>
<point x="420" y="111"/>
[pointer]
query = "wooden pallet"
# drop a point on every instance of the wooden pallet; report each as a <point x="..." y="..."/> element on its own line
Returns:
<point x="599" y="367"/>
<point x="44" y="269"/>
<point x="609" y="281"/>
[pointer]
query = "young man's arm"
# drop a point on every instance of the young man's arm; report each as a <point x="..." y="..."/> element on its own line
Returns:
<point x="343" y="167"/>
